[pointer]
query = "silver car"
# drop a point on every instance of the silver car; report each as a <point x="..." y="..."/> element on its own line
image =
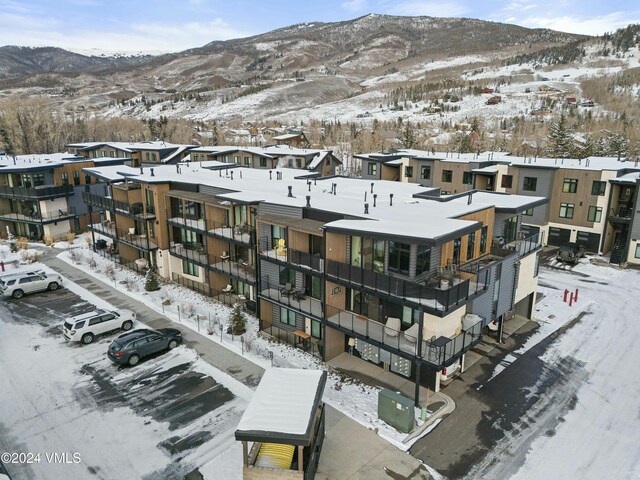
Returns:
<point x="17" y="284"/>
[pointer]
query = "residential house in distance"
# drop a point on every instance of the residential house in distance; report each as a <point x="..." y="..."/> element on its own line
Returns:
<point x="40" y="195"/>
<point x="580" y="191"/>
<point x="293" y="138"/>
<point x="140" y="153"/>
<point x="323" y="162"/>
<point x="403" y="277"/>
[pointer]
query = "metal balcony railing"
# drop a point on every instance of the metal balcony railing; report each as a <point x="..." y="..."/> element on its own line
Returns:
<point x="103" y="203"/>
<point x="40" y="192"/>
<point x="136" y="210"/>
<point x="33" y="216"/>
<point x="195" y="253"/>
<point x="438" y="352"/>
<point x="291" y="296"/>
<point x="245" y="234"/>
<point x="447" y="294"/>
<point x="191" y="223"/>
<point x="312" y="261"/>
<point x="240" y="269"/>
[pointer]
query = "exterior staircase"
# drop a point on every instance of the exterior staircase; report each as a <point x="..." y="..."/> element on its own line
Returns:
<point x="619" y="245"/>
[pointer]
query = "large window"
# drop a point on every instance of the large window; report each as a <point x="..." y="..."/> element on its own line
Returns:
<point x="87" y="178"/>
<point x="528" y="213"/>
<point x="38" y="179"/>
<point x="471" y="245"/>
<point x="423" y="259"/>
<point x="425" y="172"/>
<point x="483" y="239"/>
<point x="190" y="268"/>
<point x="287" y="316"/>
<point x="316" y="329"/>
<point x="530" y="184"/>
<point x="399" y="254"/>
<point x="65" y="178"/>
<point x="456" y="251"/>
<point x="288" y="275"/>
<point x="570" y="185"/>
<point x="408" y="171"/>
<point x="566" y="210"/>
<point x="277" y="233"/>
<point x="263" y="162"/>
<point x="595" y="214"/>
<point x="367" y="253"/>
<point x="447" y="176"/>
<point x="598" y="188"/>
<point x="507" y="181"/>
<point x="467" y="178"/>
<point x="76" y="178"/>
<point x="247" y="161"/>
<point x="372" y="168"/>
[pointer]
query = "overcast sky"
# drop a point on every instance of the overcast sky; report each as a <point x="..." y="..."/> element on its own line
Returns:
<point x="173" y="25"/>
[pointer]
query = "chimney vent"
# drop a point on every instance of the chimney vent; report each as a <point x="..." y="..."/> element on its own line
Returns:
<point x="391" y="199"/>
<point x="290" y="194"/>
<point x="375" y="196"/>
<point x="151" y="171"/>
<point x="270" y="172"/>
<point x="231" y="174"/>
<point x="308" y="200"/>
<point x="177" y="168"/>
<point x="371" y="187"/>
<point x="141" y="170"/>
<point x="335" y="188"/>
<point x="309" y="185"/>
<point x="469" y="199"/>
<point x="365" y="195"/>
<point x="366" y="208"/>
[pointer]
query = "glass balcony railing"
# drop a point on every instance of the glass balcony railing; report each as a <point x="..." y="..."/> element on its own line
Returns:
<point x="40" y="192"/>
<point x="240" y="269"/>
<point x="446" y="295"/>
<point x="291" y="296"/>
<point x="33" y="216"/>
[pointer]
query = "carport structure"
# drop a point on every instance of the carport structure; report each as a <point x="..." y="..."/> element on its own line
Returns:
<point x="285" y="423"/>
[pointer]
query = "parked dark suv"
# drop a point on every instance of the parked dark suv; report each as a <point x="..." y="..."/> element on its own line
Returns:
<point x="570" y="253"/>
<point x="130" y="347"/>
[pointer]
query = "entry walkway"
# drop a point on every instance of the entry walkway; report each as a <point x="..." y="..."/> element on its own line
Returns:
<point x="351" y="451"/>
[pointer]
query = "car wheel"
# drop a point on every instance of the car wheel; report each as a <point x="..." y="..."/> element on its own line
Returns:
<point x="53" y="286"/>
<point x="87" y="338"/>
<point x="133" y="360"/>
<point x="127" y="325"/>
<point x="173" y="344"/>
<point x="17" y="294"/>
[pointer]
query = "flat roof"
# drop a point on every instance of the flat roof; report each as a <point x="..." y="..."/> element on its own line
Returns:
<point x="282" y="409"/>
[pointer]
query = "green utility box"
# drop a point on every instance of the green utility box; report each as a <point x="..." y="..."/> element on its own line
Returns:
<point x="396" y="410"/>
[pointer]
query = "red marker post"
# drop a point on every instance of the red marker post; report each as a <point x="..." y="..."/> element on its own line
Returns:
<point x="566" y="292"/>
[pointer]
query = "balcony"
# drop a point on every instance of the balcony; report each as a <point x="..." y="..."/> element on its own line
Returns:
<point x="106" y="228"/>
<point x="30" y="216"/>
<point x="295" y="298"/>
<point x="194" y="253"/>
<point x="242" y="270"/>
<point x="437" y="298"/>
<point x="437" y="352"/>
<point x="497" y="253"/>
<point x="196" y="224"/>
<point x="36" y="193"/>
<point x="245" y="234"/>
<point x="103" y="203"/>
<point x="289" y="256"/>
<point x="621" y="215"/>
<point x="134" y="210"/>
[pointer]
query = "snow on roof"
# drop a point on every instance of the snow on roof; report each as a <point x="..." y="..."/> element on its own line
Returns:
<point x="317" y="160"/>
<point x="46" y="160"/>
<point x="280" y="150"/>
<point x="629" y="178"/>
<point x="283" y="403"/>
<point x="129" y="146"/>
<point x="288" y="136"/>
<point x="221" y="149"/>
<point x="485" y="170"/>
<point x="404" y="216"/>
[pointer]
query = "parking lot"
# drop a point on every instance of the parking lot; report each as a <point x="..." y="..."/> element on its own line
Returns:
<point x="169" y="417"/>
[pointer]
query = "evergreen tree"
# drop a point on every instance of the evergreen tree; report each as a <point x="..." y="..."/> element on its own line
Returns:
<point x="559" y="139"/>
<point x="151" y="281"/>
<point x="617" y="144"/>
<point x="238" y="322"/>
<point x="408" y="136"/>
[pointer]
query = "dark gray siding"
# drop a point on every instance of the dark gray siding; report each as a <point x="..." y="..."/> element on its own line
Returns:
<point x="429" y="181"/>
<point x="507" y="285"/>
<point x="209" y="190"/>
<point x="75" y="200"/>
<point x="280" y="210"/>
<point x="365" y="170"/>
<point x="271" y="272"/>
<point x="483" y="305"/>
<point x="543" y="189"/>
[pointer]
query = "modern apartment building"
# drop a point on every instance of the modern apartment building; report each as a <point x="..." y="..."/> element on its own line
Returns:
<point x="397" y="274"/>
<point x="580" y="191"/>
<point x="322" y="162"/>
<point x="139" y="152"/>
<point x="40" y="195"/>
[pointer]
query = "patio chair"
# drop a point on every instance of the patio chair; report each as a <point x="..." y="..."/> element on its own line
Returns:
<point x="281" y="249"/>
<point x="411" y="333"/>
<point x="228" y="289"/>
<point x="287" y="289"/>
<point x="392" y="327"/>
<point x="224" y="256"/>
<point x="299" y="295"/>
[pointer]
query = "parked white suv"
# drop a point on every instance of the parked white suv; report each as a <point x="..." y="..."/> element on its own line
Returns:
<point x="17" y="284"/>
<point x="84" y="328"/>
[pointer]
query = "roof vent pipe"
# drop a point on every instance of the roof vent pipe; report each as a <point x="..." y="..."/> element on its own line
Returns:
<point x="177" y="168"/>
<point x="270" y="172"/>
<point x="308" y="201"/>
<point x="141" y="170"/>
<point x="391" y="199"/>
<point x="371" y="187"/>
<point x="220" y="172"/>
<point x="240" y="173"/>
<point x="469" y="199"/>
<point x="309" y="185"/>
<point x="335" y="188"/>
<point x="231" y="174"/>
<point x="365" y="195"/>
<point x="151" y="171"/>
<point x="366" y="209"/>
<point x="314" y="182"/>
<point x="290" y="188"/>
<point x="375" y="196"/>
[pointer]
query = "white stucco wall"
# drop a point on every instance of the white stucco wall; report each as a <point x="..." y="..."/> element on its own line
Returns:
<point x="443" y="326"/>
<point x="47" y="206"/>
<point x="527" y="283"/>
<point x="57" y="230"/>
<point x="175" y="265"/>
